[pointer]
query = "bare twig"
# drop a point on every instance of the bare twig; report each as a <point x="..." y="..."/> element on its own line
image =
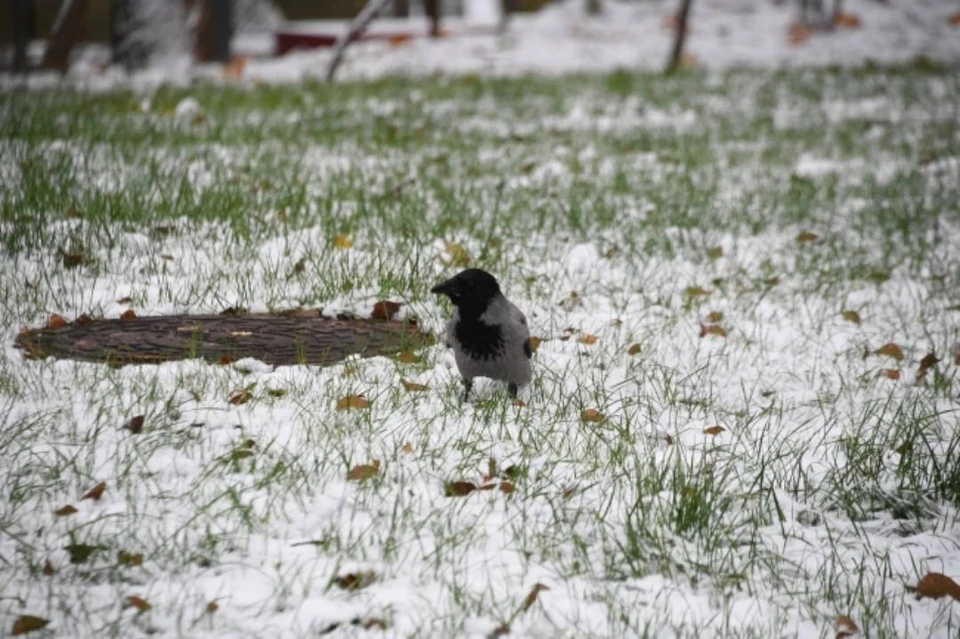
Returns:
<point x="681" y="36"/>
<point x="359" y="24"/>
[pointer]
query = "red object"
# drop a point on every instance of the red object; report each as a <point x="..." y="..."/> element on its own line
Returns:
<point x="288" y="41"/>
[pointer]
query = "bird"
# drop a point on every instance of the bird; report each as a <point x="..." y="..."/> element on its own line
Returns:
<point x="488" y="333"/>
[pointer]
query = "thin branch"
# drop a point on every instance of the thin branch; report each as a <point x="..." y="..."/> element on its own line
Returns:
<point x="359" y="24"/>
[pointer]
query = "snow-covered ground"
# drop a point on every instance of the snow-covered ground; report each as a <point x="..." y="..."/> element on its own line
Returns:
<point x="562" y="39"/>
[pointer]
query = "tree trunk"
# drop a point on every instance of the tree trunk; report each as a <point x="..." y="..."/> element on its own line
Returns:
<point x="681" y="36"/>
<point x="401" y="8"/>
<point x="20" y="25"/>
<point x="214" y="31"/>
<point x="432" y="8"/>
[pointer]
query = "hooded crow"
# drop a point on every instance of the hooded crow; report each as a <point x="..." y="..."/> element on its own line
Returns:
<point x="488" y="334"/>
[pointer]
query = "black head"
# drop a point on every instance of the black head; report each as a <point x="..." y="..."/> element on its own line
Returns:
<point x="471" y="291"/>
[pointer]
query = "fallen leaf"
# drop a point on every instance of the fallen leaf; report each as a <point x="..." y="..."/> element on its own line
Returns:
<point x="399" y="39"/>
<point x="233" y="70"/>
<point x="500" y="631"/>
<point x="714" y="430"/>
<point x="458" y="488"/>
<point x="352" y="401"/>
<point x="807" y="236"/>
<point x="531" y="598"/>
<point x="355" y="580"/>
<point x="79" y="553"/>
<point x="697" y="291"/>
<point x="276" y="392"/>
<point x="712" y="329"/>
<point x="73" y="260"/>
<point x="212" y="607"/>
<point x="27" y="623"/>
<point x="535" y="343"/>
<point x="633" y="349"/>
<point x="846" y="627"/>
<point x="798" y="34"/>
<point x="569" y="492"/>
<point x="591" y="415"/>
<point x="714" y="317"/>
<point x="241" y="397"/>
<point x="936" y="585"/>
<point x="342" y="242"/>
<point x="385" y="310"/>
<point x="954" y="19"/>
<point x="407" y="448"/>
<point x="124" y="300"/>
<point x="512" y="472"/>
<point x="715" y="252"/>
<point x="364" y="471"/>
<point x="527" y="167"/>
<point x="458" y="255"/>
<point x="83" y="320"/>
<point x="688" y="61"/>
<point x="56" y="321"/>
<point x="96" y="492"/>
<point x="890" y="350"/>
<point x="851" y="316"/>
<point x="519" y="403"/>
<point x="65" y="511"/>
<point x="134" y="425"/>
<point x="48" y="568"/>
<point x="929" y="361"/>
<point x="141" y="605"/>
<point x="506" y="487"/>
<point x="128" y="314"/>
<point x="406" y="357"/>
<point x="588" y="339"/>
<point x="846" y="20"/>
<point x="414" y="387"/>
<point x="890" y="373"/>
<point x="129" y="559"/>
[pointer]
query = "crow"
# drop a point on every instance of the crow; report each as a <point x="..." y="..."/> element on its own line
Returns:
<point x="487" y="332"/>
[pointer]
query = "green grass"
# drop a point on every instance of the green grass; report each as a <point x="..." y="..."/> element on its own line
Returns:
<point x="630" y="207"/>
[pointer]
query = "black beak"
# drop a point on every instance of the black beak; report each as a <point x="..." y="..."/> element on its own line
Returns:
<point x="448" y="288"/>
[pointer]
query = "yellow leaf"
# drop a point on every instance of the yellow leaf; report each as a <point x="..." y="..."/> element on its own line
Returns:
<point x="535" y="343"/>
<point x="352" y="401"/>
<point x="458" y="255"/>
<point x="807" y="236"/>
<point x="342" y="242"/>
<point x="851" y="316"/>
<point x="890" y="350"/>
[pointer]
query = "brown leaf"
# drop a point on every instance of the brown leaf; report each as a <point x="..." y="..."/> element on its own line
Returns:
<point x="569" y="492"/>
<point x="697" y="291"/>
<point x="348" y="402"/>
<point x="226" y="360"/>
<point x="128" y="314"/>
<point x="241" y="397"/>
<point x="890" y="373"/>
<point x="846" y="20"/>
<point x="134" y="425"/>
<point x="56" y="321"/>
<point x="714" y="430"/>
<point x="83" y="320"/>
<point x="458" y="488"/>
<point x="500" y="631"/>
<point x="407" y="448"/>
<point x="96" y="492"/>
<point x="712" y="329"/>
<point x="212" y="607"/>
<point x="954" y="19"/>
<point x="591" y="415"/>
<point x="535" y="343"/>
<point x="929" y="361"/>
<point x="956" y="355"/>
<point x="233" y="70"/>
<point x="65" y="511"/>
<point x="506" y="487"/>
<point x="355" y="580"/>
<point x="531" y="598"/>
<point x="364" y="471"/>
<point x="342" y="242"/>
<point x="714" y="317"/>
<point x="798" y="33"/>
<point x="414" y="387"/>
<point x="807" y="236"/>
<point x="851" y="316"/>
<point x="124" y="300"/>
<point x="588" y="339"/>
<point x="27" y="623"/>
<point x="130" y="559"/>
<point x="79" y="553"/>
<point x="890" y="350"/>
<point x="846" y="627"/>
<point x="48" y="568"/>
<point x="385" y="310"/>
<point x="936" y="585"/>
<point x="141" y="605"/>
<point x="406" y="357"/>
<point x="633" y="349"/>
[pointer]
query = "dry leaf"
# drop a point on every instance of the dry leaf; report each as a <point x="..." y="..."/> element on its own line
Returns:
<point x="128" y="314"/>
<point x="535" y="343"/>
<point x="500" y="631"/>
<point x="73" y="260"/>
<point x="96" y="492"/>
<point x="130" y="559"/>
<point x="712" y="329"/>
<point x="846" y="20"/>
<point x="588" y="339"/>
<point x="890" y="373"/>
<point x="399" y="39"/>
<point x="141" y="605"/>
<point x="48" y="568"/>
<point x="527" y="167"/>
<point x="512" y="472"/>
<point x="226" y="360"/>
<point x="936" y="585"/>
<point x="233" y="70"/>
<point x="715" y="252"/>
<point x="715" y="317"/>
<point x="929" y="361"/>
<point x="531" y="598"/>
<point x="954" y="19"/>
<point x="506" y="487"/>
<point x="276" y="392"/>
<point x="458" y="488"/>
<point x="798" y="33"/>
<point x="414" y="387"/>
<point x="355" y="580"/>
<point x="342" y="242"/>
<point x="851" y="316"/>
<point x="697" y="291"/>
<point x="714" y="430"/>
<point x="27" y="623"/>
<point x="458" y="255"/>
<point x="406" y="357"/>
<point x="633" y="349"/>
<point x="846" y="627"/>
<point x="519" y="403"/>
<point x="124" y="300"/>
<point x="212" y="607"/>
<point x="241" y="397"/>
<point x="134" y="425"/>
<point x="56" y="321"/>
<point x="569" y="492"/>
<point x="591" y="415"/>
<point x="408" y="448"/>
<point x="890" y="350"/>
<point x="65" y="511"/>
<point x="385" y="310"/>
<point x="79" y="553"/>
<point x="364" y="471"/>
<point x="807" y="236"/>
<point x="348" y="402"/>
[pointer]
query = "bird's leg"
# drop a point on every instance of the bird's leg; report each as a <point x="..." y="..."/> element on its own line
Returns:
<point x="467" y="385"/>
<point x="512" y="390"/>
